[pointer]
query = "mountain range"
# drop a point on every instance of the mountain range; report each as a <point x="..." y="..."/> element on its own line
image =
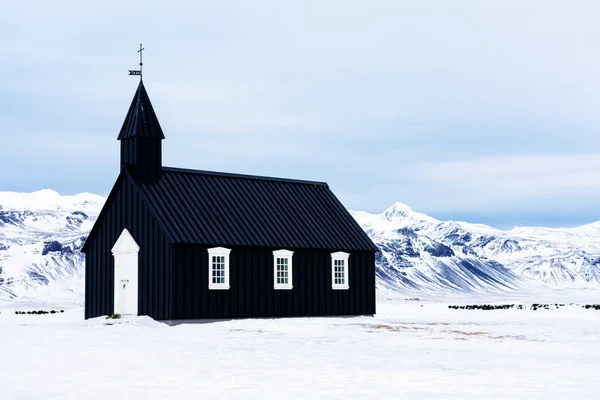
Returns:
<point x="421" y="253"/>
<point x="41" y="235"/>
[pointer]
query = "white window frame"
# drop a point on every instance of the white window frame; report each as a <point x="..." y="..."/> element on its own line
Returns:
<point x="340" y="256"/>
<point x="216" y="252"/>
<point x="287" y="254"/>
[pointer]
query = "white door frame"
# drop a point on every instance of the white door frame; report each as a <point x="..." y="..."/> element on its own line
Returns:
<point x="125" y="251"/>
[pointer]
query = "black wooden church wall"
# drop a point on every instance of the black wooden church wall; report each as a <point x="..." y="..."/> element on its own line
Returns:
<point x="251" y="292"/>
<point x="173" y="279"/>
<point x="127" y="210"/>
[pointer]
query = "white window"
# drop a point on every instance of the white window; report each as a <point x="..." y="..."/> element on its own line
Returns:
<point x="282" y="269"/>
<point x="339" y="271"/>
<point x="218" y="268"/>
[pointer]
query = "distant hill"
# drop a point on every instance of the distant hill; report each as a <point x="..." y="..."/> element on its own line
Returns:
<point x="421" y="253"/>
<point x="41" y="235"/>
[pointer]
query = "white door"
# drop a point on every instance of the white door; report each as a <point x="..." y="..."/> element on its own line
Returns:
<point x="126" y="252"/>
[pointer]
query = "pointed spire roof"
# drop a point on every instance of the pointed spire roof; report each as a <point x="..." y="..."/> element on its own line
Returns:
<point x="141" y="121"/>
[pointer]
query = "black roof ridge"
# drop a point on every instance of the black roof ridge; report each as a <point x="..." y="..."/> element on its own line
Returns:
<point x="243" y="176"/>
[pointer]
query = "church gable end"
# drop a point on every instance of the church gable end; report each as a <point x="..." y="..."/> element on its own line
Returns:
<point x="126" y="208"/>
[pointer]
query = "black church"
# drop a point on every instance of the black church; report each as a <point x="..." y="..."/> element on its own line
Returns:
<point x="178" y="244"/>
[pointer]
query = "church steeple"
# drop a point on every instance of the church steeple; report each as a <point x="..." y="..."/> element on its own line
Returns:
<point x="141" y="137"/>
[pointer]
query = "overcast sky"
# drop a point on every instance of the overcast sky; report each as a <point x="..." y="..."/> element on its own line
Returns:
<point x="485" y="111"/>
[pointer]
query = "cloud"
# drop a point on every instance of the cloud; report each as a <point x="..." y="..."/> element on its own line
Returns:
<point x="551" y="171"/>
<point x="385" y="100"/>
<point x="512" y="181"/>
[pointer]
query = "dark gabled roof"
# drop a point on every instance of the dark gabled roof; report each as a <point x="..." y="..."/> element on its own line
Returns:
<point x="213" y="208"/>
<point x="141" y="120"/>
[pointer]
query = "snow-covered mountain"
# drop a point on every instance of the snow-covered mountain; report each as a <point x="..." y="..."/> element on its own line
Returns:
<point x="41" y="234"/>
<point x="422" y="253"/>
<point x="40" y="237"/>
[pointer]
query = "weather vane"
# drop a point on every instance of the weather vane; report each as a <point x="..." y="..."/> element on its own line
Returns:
<point x="135" y="71"/>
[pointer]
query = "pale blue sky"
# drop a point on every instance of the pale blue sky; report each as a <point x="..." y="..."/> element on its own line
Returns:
<point x="486" y="111"/>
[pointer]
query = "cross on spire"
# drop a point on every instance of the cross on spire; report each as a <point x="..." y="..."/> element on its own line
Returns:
<point x="135" y="71"/>
<point x="141" y="50"/>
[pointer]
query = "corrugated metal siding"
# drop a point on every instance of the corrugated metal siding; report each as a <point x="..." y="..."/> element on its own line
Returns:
<point x="235" y="210"/>
<point x="252" y="294"/>
<point x="125" y="209"/>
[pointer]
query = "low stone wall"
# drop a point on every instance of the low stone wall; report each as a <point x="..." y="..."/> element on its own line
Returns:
<point x="534" y="306"/>
<point x="39" y="312"/>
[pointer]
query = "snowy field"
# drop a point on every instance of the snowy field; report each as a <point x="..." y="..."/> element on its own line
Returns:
<point x="417" y="349"/>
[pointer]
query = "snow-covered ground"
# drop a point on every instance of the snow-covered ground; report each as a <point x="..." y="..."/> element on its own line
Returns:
<point x="412" y="349"/>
